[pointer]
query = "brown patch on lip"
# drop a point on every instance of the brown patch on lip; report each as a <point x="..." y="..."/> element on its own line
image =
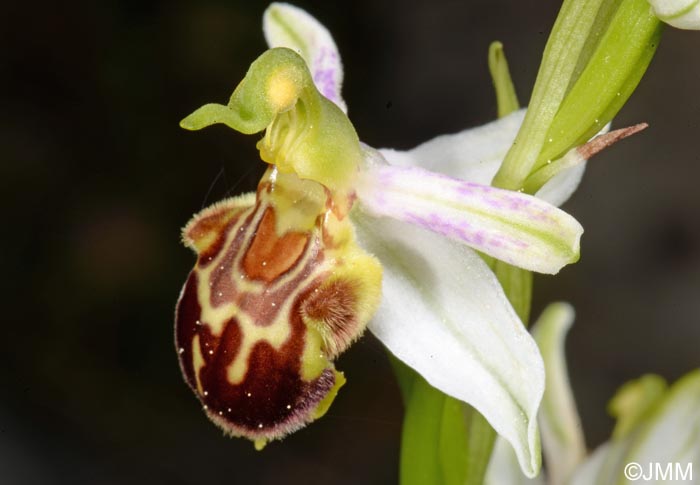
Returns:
<point x="334" y="307"/>
<point x="272" y="399"/>
<point x="269" y="255"/>
<point x="187" y="314"/>
<point x="206" y="232"/>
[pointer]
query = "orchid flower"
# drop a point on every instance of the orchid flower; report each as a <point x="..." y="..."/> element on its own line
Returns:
<point x="340" y="236"/>
<point x="655" y="425"/>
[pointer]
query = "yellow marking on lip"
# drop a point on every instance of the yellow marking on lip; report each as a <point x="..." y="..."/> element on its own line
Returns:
<point x="313" y="360"/>
<point x="297" y="202"/>
<point x="197" y="362"/>
<point x="202" y="230"/>
<point x="326" y="402"/>
<point x="216" y="317"/>
<point x="279" y="331"/>
<point x="275" y="334"/>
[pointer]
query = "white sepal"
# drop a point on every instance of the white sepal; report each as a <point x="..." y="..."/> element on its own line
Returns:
<point x="473" y="154"/>
<point x="444" y="314"/>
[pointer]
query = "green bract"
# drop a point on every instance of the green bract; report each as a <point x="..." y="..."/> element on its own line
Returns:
<point x="594" y="59"/>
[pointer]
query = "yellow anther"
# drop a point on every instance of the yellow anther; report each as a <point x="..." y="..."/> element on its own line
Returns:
<point x="283" y="89"/>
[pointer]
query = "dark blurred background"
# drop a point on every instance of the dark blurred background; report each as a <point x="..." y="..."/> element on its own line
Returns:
<point x="97" y="179"/>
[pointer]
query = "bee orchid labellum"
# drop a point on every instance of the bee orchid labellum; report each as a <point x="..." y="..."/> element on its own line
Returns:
<point x="278" y="291"/>
<point x="280" y="288"/>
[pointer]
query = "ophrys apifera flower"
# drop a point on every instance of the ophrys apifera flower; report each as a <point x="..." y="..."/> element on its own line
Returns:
<point x="336" y="238"/>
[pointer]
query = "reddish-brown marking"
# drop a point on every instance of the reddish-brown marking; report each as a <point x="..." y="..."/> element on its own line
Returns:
<point x="269" y="255"/>
<point x="217" y="222"/>
<point x="335" y="304"/>
<point x="187" y="312"/>
<point x="272" y="392"/>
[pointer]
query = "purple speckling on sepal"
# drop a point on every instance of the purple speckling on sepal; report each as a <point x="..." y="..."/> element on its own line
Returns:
<point x="326" y="74"/>
<point x="325" y="82"/>
<point x="463" y="231"/>
<point x="516" y="228"/>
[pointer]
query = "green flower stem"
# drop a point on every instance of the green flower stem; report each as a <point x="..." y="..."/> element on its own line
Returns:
<point x="422" y="426"/>
<point x="444" y="441"/>
<point x="516" y="282"/>
<point x="517" y="285"/>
